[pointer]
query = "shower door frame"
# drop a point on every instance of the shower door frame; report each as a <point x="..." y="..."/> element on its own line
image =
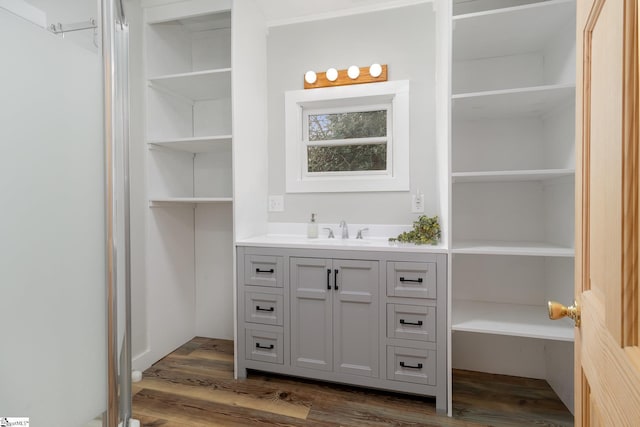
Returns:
<point x="115" y="79"/>
<point x="115" y="55"/>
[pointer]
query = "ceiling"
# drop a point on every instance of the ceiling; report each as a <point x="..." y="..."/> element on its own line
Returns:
<point x="276" y="12"/>
<point x="282" y="12"/>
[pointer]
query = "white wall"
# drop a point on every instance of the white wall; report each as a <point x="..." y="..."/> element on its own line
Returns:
<point x="139" y="204"/>
<point x="67" y="11"/>
<point x="72" y="11"/>
<point x="214" y="271"/>
<point x="403" y="38"/>
<point x="250" y="149"/>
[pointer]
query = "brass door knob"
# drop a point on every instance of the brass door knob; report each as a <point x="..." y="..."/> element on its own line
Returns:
<point x="558" y="311"/>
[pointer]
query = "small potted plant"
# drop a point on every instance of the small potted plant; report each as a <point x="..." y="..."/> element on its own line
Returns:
<point x="426" y="231"/>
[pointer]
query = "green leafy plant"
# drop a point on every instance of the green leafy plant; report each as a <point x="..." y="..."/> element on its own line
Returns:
<point x="426" y="231"/>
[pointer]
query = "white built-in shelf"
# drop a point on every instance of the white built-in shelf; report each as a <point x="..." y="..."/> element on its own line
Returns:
<point x="219" y="17"/>
<point x="197" y="85"/>
<point x="518" y="102"/>
<point x="509" y="319"/>
<point x="200" y="144"/>
<point x="511" y="175"/>
<point x="510" y="30"/>
<point x="177" y="201"/>
<point x="492" y="247"/>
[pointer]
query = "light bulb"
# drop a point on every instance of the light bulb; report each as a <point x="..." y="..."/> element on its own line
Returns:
<point x="375" y="70"/>
<point x="353" y="72"/>
<point x="332" y="74"/>
<point x="310" y="77"/>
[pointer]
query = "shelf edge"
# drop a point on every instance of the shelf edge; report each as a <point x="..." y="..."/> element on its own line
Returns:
<point x="523" y="250"/>
<point x="518" y="90"/>
<point x="506" y="10"/>
<point x="221" y="138"/>
<point x="186" y="201"/>
<point x="190" y="74"/>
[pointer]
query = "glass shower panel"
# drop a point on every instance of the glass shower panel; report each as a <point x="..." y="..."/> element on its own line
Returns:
<point x="52" y="228"/>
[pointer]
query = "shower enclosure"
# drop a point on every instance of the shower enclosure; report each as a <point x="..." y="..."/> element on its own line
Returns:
<point x="64" y="270"/>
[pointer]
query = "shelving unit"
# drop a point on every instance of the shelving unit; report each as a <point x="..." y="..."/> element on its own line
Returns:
<point x="196" y="85"/>
<point x="189" y="108"/>
<point x="519" y="102"/>
<point x="187" y="47"/>
<point x="197" y="144"/>
<point x="509" y="30"/>
<point x="511" y="176"/>
<point x="517" y="320"/>
<point x="512" y="180"/>
<point x="167" y="201"/>
<point x="489" y="247"/>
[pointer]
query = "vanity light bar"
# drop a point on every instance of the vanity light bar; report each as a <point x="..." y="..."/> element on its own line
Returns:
<point x="313" y="80"/>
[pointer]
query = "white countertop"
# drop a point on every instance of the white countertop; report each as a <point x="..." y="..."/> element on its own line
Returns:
<point x="368" y="244"/>
<point x="375" y="239"/>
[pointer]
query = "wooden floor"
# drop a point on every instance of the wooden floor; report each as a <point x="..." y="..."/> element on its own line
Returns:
<point x="194" y="386"/>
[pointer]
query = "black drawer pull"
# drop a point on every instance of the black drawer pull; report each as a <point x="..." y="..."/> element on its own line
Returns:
<point x="335" y="279"/>
<point x="271" y="270"/>
<point x="402" y="279"/>
<point x="258" y="308"/>
<point x="418" y="366"/>
<point x="404" y="322"/>
<point x="270" y="347"/>
<point x="329" y="278"/>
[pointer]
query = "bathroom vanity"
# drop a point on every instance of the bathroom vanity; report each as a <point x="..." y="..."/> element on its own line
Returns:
<point x="363" y="313"/>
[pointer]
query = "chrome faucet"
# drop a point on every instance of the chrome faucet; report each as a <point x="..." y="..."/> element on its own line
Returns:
<point x="345" y="229"/>
<point x="330" y="236"/>
<point x="359" y="236"/>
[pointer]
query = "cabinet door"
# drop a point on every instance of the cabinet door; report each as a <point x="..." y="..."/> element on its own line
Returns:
<point x="311" y="342"/>
<point x="356" y="315"/>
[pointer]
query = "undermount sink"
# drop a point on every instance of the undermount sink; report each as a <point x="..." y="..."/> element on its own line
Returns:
<point x="340" y="242"/>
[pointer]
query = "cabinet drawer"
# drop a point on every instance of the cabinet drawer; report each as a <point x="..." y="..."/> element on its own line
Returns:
<point x="264" y="346"/>
<point x="411" y="365"/>
<point x="411" y="279"/>
<point x="266" y="309"/>
<point x="262" y="270"/>
<point x="411" y="322"/>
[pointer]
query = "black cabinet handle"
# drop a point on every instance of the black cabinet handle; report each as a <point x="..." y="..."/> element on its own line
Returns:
<point x="402" y="279"/>
<point x="418" y="366"/>
<point x="271" y="270"/>
<point x="404" y="322"/>
<point x="335" y="279"/>
<point x="258" y="308"/>
<point x="329" y="278"/>
<point x="270" y="347"/>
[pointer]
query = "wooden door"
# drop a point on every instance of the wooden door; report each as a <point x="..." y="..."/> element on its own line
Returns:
<point x="311" y="313"/>
<point x="607" y="353"/>
<point x="356" y="314"/>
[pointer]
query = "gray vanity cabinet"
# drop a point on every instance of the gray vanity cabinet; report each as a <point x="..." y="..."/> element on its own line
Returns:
<point x="334" y="315"/>
<point x="372" y="318"/>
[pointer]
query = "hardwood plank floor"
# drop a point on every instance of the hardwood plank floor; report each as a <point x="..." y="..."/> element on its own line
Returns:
<point x="194" y="386"/>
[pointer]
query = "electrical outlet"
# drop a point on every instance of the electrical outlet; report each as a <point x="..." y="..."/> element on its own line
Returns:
<point x="417" y="203"/>
<point x="276" y="203"/>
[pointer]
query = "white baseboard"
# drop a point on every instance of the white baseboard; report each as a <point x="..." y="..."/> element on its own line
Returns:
<point x="142" y="361"/>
